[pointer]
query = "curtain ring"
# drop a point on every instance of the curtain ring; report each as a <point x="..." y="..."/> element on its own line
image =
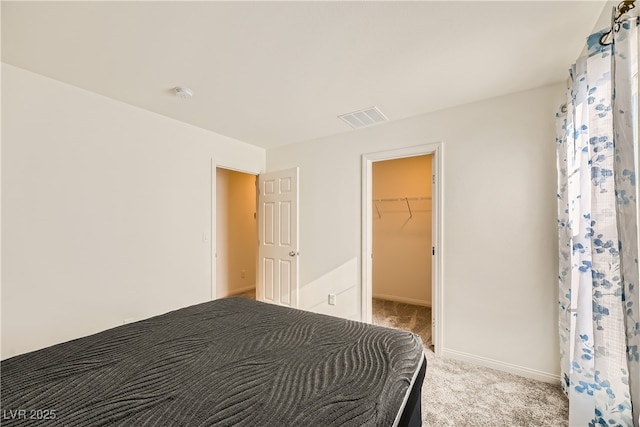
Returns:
<point x="605" y="38"/>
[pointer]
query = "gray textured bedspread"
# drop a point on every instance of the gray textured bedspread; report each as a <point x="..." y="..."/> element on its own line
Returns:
<point x="229" y="362"/>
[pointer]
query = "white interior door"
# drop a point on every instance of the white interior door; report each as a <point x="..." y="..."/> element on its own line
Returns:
<point x="278" y="237"/>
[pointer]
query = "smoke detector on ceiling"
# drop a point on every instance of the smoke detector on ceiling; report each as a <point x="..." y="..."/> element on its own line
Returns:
<point x="363" y="118"/>
<point x="183" y="92"/>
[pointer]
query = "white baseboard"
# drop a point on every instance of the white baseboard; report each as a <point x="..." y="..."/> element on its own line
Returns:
<point x="412" y="301"/>
<point x="241" y="290"/>
<point x="502" y="366"/>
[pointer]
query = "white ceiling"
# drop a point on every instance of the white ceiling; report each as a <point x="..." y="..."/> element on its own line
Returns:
<point x="275" y="73"/>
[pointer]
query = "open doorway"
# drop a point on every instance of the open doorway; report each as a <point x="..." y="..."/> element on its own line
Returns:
<point x="402" y="230"/>
<point x="236" y="233"/>
<point x="413" y="247"/>
<point x="402" y="244"/>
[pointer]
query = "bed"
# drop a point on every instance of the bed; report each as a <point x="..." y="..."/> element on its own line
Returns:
<point x="228" y="362"/>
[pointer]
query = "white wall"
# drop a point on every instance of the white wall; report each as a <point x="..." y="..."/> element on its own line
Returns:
<point x="104" y="209"/>
<point x="402" y="237"/>
<point x="236" y="232"/>
<point x="499" y="241"/>
<point x="604" y="21"/>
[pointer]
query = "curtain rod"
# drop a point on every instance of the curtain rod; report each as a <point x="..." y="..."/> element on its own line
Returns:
<point x="617" y="18"/>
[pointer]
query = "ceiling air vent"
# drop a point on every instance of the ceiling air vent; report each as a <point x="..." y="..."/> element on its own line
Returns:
<point x="367" y="117"/>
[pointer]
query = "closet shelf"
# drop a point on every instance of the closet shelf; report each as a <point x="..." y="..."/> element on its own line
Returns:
<point x="402" y="199"/>
<point x="399" y="199"/>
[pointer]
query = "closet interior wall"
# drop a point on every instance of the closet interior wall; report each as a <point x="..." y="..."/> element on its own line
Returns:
<point x="236" y="232"/>
<point x="402" y="221"/>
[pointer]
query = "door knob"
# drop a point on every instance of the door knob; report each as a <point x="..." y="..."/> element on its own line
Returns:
<point x="293" y="253"/>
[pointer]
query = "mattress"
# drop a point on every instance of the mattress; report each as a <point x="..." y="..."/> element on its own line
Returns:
<point x="229" y="362"/>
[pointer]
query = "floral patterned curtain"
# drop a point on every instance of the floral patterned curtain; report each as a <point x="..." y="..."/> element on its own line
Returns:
<point x="599" y="304"/>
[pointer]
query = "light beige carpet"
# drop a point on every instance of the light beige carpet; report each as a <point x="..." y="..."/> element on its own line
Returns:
<point x="461" y="394"/>
<point x="456" y="393"/>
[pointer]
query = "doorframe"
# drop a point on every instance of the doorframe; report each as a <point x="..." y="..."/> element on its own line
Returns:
<point x="366" y="255"/>
<point x="214" y="206"/>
